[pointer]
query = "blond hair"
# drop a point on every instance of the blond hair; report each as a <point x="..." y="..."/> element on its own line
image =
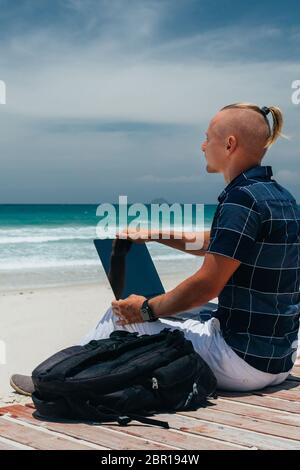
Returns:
<point x="276" y="113"/>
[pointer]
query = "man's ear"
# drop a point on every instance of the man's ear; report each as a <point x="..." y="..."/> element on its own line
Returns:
<point x="231" y="143"/>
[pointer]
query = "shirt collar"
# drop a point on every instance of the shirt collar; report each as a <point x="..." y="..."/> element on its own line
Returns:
<point x="256" y="172"/>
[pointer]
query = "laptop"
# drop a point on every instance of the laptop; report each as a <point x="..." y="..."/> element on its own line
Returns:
<point x="130" y="270"/>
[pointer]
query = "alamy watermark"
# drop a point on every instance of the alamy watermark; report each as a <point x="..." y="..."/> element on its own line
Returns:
<point x="2" y="353"/>
<point x="2" y="92"/>
<point x="153" y="221"/>
<point x="296" y="94"/>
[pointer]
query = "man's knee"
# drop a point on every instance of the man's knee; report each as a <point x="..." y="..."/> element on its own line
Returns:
<point x="108" y="315"/>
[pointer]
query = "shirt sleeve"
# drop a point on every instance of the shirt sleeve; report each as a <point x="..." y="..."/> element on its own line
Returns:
<point x="236" y="226"/>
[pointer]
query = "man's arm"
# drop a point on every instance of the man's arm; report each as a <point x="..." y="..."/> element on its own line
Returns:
<point x="173" y="239"/>
<point x="198" y="289"/>
<point x="180" y="240"/>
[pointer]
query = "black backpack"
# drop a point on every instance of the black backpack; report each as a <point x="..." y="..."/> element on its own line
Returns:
<point x="123" y="377"/>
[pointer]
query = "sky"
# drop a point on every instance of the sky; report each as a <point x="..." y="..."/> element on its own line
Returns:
<point x="113" y="97"/>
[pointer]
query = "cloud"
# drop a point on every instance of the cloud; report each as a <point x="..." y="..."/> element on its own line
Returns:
<point x="171" y="179"/>
<point x="288" y="176"/>
<point x="100" y="103"/>
<point x="155" y="93"/>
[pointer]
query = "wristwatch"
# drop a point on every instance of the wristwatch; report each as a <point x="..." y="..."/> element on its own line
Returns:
<point x="147" y="313"/>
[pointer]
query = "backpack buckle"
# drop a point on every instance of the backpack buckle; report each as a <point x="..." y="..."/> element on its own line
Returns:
<point x="123" y="420"/>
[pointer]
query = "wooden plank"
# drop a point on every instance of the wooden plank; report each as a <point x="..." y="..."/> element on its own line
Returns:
<point x="296" y="370"/>
<point x="256" y="412"/>
<point x="286" y="385"/>
<point x="246" y="422"/>
<point x="212" y="430"/>
<point x="289" y="391"/>
<point x="37" y="438"/>
<point x="13" y="445"/>
<point x="91" y="433"/>
<point x="265" y="401"/>
<point x="8" y="446"/>
<point x="101" y="435"/>
<point x="229" y="434"/>
<point x="134" y="436"/>
<point x="182" y="439"/>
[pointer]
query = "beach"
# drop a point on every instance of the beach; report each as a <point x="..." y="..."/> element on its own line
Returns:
<point x="36" y="323"/>
<point x="53" y="289"/>
<point x="39" y="322"/>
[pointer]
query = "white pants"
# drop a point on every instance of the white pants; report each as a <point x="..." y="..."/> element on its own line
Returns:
<point x="231" y="371"/>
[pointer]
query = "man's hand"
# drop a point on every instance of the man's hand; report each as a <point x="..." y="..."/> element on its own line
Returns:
<point x="128" y="310"/>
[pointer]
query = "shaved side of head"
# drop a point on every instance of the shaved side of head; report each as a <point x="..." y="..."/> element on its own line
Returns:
<point x="249" y="127"/>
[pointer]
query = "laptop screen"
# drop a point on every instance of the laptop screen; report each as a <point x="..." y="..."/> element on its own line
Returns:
<point x="129" y="268"/>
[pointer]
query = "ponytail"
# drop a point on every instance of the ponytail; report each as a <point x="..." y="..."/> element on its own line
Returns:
<point x="277" y="125"/>
<point x="277" y="118"/>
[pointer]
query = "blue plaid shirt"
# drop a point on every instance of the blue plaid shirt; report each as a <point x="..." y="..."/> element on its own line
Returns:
<point x="257" y="222"/>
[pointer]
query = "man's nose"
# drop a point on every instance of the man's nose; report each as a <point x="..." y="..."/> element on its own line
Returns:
<point x="203" y="146"/>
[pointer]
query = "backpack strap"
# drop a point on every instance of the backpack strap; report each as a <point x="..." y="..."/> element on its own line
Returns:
<point x="123" y="420"/>
<point x="58" y="408"/>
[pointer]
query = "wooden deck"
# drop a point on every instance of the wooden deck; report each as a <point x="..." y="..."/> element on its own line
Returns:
<point x="268" y="419"/>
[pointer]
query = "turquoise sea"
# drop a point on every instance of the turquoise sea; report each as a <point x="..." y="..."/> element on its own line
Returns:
<point x="50" y="245"/>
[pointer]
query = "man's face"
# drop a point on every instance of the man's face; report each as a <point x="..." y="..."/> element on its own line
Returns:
<point x="214" y="150"/>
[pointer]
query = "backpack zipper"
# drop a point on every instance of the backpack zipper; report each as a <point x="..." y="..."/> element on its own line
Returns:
<point x="191" y="394"/>
<point x="154" y="383"/>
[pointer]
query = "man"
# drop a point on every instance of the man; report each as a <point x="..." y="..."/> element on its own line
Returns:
<point x="251" y="263"/>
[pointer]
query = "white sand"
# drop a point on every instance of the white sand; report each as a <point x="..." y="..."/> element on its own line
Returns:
<point x="38" y="323"/>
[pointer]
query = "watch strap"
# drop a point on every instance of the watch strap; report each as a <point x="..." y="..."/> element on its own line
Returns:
<point x="150" y="312"/>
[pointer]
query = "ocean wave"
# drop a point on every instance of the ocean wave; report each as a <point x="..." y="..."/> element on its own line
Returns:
<point x="17" y="265"/>
<point x="45" y="235"/>
<point x="42" y="239"/>
<point x="48" y="235"/>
